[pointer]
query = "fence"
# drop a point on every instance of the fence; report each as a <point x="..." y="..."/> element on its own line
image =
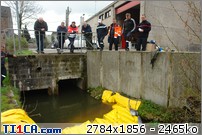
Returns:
<point x="51" y="37"/>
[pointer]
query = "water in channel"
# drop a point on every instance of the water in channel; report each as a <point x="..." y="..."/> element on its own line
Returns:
<point x="72" y="105"/>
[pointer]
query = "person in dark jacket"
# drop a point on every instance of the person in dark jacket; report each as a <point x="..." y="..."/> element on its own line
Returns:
<point x="86" y="30"/>
<point x="4" y="54"/>
<point x="143" y="30"/>
<point x="101" y="33"/>
<point x="40" y="27"/>
<point x="61" y="32"/>
<point x="129" y="26"/>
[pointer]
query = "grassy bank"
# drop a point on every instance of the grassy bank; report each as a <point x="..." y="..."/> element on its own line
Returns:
<point x="153" y="113"/>
<point x="10" y="96"/>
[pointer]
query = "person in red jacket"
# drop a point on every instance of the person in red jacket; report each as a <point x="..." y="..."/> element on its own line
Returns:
<point x="72" y="30"/>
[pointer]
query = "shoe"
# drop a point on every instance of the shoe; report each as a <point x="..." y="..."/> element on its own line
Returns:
<point x="101" y="49"/>
<point x="127" y="49"/>
<point x="42" y="52"/>
<point x="72" y="51"/>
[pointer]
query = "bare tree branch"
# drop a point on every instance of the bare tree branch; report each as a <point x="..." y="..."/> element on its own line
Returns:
<point x="166" y="32"/>
<point x="185" y="22"/>
<point x="27" y="10"/>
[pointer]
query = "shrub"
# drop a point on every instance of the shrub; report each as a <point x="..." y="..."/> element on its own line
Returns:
<point x="10" y="44"/>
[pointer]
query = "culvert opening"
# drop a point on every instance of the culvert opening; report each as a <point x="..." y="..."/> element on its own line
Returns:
<point x="70" y="84"/>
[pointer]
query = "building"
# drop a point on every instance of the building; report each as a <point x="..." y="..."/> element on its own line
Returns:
<point x="6" y="21"/>
<point x="175" y="24"/>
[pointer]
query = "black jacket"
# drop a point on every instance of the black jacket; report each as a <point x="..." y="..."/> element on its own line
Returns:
<point x="86" y="29"/>
<point x="101" y="30"/>
<point x="38" y="26"/>
<point x="129" y="25"/>
<point x="146" y="26"/>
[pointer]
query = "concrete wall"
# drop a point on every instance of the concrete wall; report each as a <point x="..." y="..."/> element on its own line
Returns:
<point x="173" y="22"/>
<point x="44" y="71"/>
<point x="132" y="74"/>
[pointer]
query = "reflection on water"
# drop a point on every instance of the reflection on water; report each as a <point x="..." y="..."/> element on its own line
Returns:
<point x="72" y="105"/>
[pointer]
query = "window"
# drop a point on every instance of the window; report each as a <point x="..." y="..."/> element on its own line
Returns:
<point x="108" y="14"/>
<point x="101" y="16"/>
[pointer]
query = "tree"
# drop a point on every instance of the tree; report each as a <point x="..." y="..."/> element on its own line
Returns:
<point x="28" y="11"/>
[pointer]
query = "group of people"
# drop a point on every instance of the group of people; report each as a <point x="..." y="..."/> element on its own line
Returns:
<point x="114" y="32"/>
<point x="129" y="29"/>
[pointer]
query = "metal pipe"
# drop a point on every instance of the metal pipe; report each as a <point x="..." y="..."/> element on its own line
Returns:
<point x="14" y="43"/>
<point x="19" y="34"/>
<point x="39" y="42"/>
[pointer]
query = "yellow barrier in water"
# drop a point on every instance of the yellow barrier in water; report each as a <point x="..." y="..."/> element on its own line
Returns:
<point x="120" y="114"/>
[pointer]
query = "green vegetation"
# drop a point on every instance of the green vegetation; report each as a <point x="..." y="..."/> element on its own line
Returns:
<point x="10" y="44"/>
<point x="151" y="112"/>
<point x="96" y="92"/>
<point x="10" y="96"/>
<point x="24" y="52"/>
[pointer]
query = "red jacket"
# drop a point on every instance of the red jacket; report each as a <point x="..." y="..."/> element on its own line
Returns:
<point x="72" y="31"/>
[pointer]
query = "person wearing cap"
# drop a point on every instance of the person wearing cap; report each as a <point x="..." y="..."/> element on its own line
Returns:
<point x="101" y="33"/>
<point x="61" y="32"/>
<point x="86" y="30"/>
<point x="143" y="32"/>
<point x="72" y="30"/>
<point x="129" y="26"/>
<point x="114" y="34"/>
<point x="40" y="27"/>
<point x="4" y="54"/>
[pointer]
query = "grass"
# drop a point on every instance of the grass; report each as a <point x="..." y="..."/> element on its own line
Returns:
<point x="24" y="52"/>
<point x="151" y="112"/>
<point x="6" y="101"/>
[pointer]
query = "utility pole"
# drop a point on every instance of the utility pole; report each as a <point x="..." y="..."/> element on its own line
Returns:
<point x="67" y="16"/>
<point x="81" y="21"/>
<point x="19" y="32"/>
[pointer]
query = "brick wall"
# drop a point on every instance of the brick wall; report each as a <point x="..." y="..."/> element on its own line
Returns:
<point x="44" y="71"/>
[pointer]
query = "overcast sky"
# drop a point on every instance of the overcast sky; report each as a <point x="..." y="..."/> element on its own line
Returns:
<point x="55" y="11"/>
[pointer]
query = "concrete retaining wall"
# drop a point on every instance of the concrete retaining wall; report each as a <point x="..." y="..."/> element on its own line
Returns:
<point x="132" y="74"/>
